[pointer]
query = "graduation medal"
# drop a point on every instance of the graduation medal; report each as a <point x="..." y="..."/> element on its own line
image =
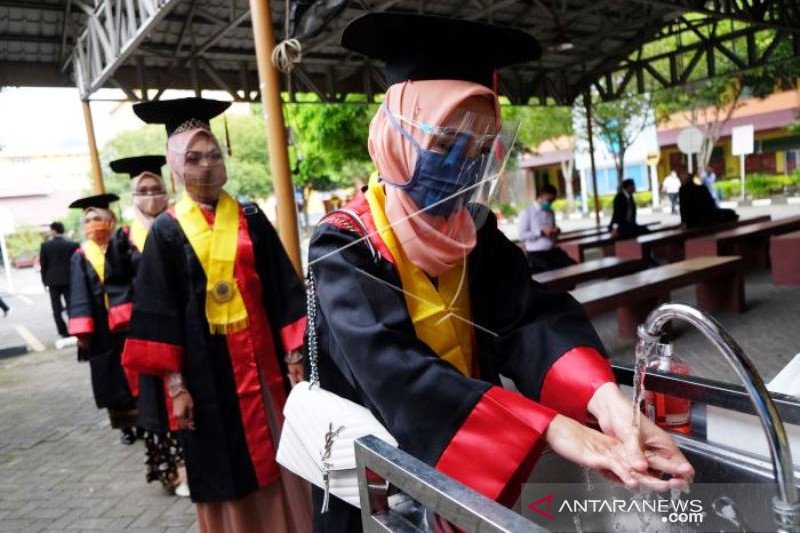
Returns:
<point x="222" y="292"/>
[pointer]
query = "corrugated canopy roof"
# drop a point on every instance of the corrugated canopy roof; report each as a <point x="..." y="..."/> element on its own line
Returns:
<point x="207" y="44"/>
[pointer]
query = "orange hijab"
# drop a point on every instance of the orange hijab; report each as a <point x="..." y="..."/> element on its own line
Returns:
<point x="434" y="243"/>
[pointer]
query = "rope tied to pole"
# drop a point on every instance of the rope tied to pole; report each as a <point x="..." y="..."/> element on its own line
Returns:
<point x="286" y="54"/>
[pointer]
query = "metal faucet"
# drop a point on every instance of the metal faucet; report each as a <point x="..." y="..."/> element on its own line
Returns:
<point x="786" y="506"/>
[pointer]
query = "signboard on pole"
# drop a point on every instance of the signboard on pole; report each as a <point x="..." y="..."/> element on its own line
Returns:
<point x="742" y="140"/>
<point x="689" y="142"/>
<point x="742" y="145"/>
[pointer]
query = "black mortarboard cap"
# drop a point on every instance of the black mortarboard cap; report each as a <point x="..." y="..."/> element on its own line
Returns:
<point x="424" y="47"/>
<point x="136" y="165"/>
<point x="181" y="114"/>
<point x="101" y="201"/>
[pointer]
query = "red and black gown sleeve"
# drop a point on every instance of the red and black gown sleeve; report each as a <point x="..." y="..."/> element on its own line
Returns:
<point x="542" y="339"/>
<point x="284" y="292"/>
<point x="81" y="320"/>
<point x="481" y="435"/>
<point x="119" y="281"/>
<point x="155" y="339"/>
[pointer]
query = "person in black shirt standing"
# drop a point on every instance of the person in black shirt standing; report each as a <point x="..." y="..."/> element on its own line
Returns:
<point x="54" y="257"/>
<point x="623" y="220"/>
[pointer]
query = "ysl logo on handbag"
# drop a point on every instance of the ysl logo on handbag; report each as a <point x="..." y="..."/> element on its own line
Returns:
<point x="330" y="436"/>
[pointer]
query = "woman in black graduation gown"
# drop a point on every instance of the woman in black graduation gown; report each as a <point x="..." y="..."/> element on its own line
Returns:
<point x="424" y="303"/>
<point x="221" y="316"/>
<point x="90" y="316"/>
<point x="163" y="450"/>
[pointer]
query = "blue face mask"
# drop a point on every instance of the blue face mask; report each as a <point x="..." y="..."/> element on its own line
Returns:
<point x="545" y="205"/>
<point x="438" y="178"/>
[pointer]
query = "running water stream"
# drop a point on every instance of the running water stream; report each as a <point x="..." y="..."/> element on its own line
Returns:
<point x="643" y="354"/>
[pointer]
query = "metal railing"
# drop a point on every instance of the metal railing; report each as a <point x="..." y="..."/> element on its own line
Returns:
<point x="114" y="28"/>
<point x="380" y="465"/>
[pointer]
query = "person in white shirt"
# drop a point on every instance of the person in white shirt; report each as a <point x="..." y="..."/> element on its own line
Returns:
<point x="538" y="233"/>
<point x="671" y="186"/>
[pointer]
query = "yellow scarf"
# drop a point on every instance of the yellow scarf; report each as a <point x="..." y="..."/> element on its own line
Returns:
<point x="441" y="316"/>
<point x="97" y="258"/>
<point x="138" y="235"/>
<point x="216" y="249"/>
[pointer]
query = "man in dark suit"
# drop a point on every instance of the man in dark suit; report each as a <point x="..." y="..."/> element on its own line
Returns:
<point x="54" y="257"/>
<point x="623" y="220"/>
<point x="699" y="208"/>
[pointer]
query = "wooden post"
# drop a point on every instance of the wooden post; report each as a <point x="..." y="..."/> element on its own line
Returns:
<point x="269" y="84"/>
<point x="587" y="102"/>
<point x="94" y="156"/>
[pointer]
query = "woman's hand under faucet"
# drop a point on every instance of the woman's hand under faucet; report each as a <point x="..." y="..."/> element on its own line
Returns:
<point x="591" y="449"/>
<point x="650" y="449"/>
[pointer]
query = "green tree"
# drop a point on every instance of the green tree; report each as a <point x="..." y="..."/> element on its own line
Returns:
<point x="618" y="123"/>
<point x="553" y="124"/>
<point x="330" y="141"/>
<point x="708" y="104"/>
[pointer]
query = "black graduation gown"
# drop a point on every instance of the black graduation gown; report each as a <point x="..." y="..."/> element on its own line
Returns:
<point x="88" y="316"/>
<point x="471" y="429"/>
<point x="231" y="452"/>
<point x="152" y="403"/>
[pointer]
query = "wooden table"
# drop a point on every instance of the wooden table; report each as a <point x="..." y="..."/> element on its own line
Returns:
<point x="751" y="242"/>
<point x="669" y="244"/>
<point x="784" y="253"/>
<point x="604" y="268"/>
<point x="719" y="286"/>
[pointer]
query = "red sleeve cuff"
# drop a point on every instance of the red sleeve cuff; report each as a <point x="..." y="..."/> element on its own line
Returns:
<point x="119" y="316"/>
<point x="497" y="445"/>
<point x="149" y="357"/>
<point x="292" y="335"/>
<point x="572" y="381"/>
<point x="81" y="325"/>
<point x="133" y="381"/>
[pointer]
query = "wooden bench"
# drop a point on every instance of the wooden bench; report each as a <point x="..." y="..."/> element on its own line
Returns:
<point x="669" y="244"/>
<point x="604" y="268"/>
<point x="719" y="286"/>
<point x="590" y="232"/>
<point x="577" y="248"/>
<point x="751" y="242"/>
<point x="784" y="251"/>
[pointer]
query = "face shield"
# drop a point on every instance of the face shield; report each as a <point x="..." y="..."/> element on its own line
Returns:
<point x="459" y="166"/>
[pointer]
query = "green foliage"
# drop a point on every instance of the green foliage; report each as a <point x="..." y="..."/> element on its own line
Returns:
<point x="508" y="210"/>
<point x="537" y="124"/>
<point x="330" y="141"/>
<point x="758" y="185"/>
<point x="23" y="242"/>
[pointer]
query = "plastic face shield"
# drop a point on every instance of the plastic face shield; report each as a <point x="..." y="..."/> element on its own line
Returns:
<point x="458" y="163"/>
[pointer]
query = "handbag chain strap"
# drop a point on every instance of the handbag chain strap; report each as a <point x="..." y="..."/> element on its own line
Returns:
<point x="311" y="313"/>
<point x="311" y="295"/>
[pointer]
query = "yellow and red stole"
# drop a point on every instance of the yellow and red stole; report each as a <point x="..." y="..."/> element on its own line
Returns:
<point x="97" y="259"/>
<point x="138" y="234"/>
<point x="215" y="247"/>
<point x="441" y="315"/>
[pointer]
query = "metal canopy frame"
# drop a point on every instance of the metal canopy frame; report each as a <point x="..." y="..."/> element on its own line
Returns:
<point x="144" y="47"/>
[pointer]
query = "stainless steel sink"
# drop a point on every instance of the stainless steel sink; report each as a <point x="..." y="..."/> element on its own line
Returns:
<point x="742" y="486"/>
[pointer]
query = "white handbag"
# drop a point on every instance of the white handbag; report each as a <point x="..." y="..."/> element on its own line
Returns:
<point x="320" y="427"/>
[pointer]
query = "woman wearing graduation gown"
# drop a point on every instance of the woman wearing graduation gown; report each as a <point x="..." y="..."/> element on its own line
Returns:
<point x="164" y="455"/>
<point x="222" y="317"/>
<point x="90" y="316"/>
<point x="423" y="303"/>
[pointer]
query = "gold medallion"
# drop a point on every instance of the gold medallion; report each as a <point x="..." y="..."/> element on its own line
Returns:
<point x="222" y="292"/>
